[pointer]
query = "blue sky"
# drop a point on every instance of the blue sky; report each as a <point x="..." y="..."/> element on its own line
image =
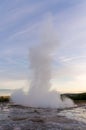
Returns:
<point x="20" y="22"/>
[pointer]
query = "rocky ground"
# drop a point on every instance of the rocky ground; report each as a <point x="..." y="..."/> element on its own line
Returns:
<point x="26" y="118"/>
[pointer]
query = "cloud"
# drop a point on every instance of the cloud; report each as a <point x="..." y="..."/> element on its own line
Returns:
<point x="71" y="24"/>
<point x="18" y="13"/>
<point x="70" y="77"/>
<point x="20" y="26"/>
<point x="12" y="84"/>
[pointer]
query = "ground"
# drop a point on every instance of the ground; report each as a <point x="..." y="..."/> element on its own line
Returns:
<point x="27" y="118"/>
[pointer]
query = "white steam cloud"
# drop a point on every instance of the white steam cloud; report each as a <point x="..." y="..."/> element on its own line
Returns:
<point x="41" y="58"/>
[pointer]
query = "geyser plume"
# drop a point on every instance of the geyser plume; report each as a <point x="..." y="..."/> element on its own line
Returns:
<point x="41" y="57"/>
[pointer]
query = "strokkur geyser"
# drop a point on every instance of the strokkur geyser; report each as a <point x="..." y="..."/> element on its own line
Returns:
<point x="41" y="58"/>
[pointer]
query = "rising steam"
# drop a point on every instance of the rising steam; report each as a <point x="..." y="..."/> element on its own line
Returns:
<point x="41" y="58"/>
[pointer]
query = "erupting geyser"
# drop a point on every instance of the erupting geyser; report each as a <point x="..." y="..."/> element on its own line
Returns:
<point x="41" y="56"/>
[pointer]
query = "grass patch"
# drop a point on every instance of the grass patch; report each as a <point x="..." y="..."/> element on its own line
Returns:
<point x="4" y="98"/>
<point x="77" y="97"/>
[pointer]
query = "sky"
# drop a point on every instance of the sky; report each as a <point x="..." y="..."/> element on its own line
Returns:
<point x="20" y="22"/>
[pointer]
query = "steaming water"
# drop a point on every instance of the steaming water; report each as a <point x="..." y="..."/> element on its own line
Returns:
<point x="78" y="114"/>
<point x="4" y="112"/>
<point x="41" y="59"/>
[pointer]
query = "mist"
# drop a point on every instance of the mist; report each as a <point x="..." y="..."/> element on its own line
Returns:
<point x="41" y="58"/>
